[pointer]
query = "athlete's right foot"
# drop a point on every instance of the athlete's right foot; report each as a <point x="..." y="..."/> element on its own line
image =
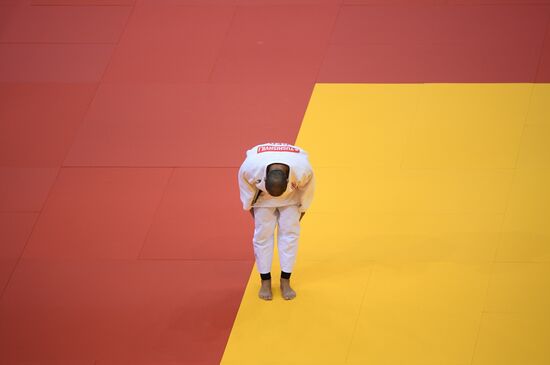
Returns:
<point x="265" y="290"/>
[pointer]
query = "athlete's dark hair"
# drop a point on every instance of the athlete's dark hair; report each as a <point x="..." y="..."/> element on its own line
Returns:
<point x="275" y="182"/>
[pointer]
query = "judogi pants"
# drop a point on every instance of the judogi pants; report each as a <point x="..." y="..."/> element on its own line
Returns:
<point x="266" y="219"/>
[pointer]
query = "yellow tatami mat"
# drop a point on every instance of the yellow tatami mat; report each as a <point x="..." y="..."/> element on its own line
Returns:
<point x="428" y="241"/>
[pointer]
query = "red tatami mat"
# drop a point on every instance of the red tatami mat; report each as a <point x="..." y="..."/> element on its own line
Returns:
<point x="123" y="311"/>
<point x="40" y="121"/>
<point x="383" y="63"/>
<point x="15" y="229"/>
<point x="408" y="43"/>
<point x="543" y="73"/>
<point x="270" y="44"/>
<point x="214" y="225"/>
<point x="25" y="188"/>
<point x="417" y="63"/>
<point x="78" y="24"/>
<point x="201" y="125"/>
<point x="282" y="26"/>
<point x="97" y="213"/>
<point x="55" y="62"/>
<point x="83" y="2"/>
<point x="167" y="42"/>
<point x="509" y="24"/>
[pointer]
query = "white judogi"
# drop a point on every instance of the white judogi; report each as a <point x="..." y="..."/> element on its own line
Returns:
<point x="269" y="211"/>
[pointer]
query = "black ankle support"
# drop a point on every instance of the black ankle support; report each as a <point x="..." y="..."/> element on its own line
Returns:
<point x="285" y="275"/>
<point x="266" y="276"/>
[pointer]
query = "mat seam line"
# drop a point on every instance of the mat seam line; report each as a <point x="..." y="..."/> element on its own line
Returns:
<point x="359" y="314"/>
<point x="507" y="206"/>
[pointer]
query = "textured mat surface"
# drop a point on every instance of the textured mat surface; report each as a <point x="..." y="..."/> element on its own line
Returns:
<point x="426" y="242"/>
<point x="121" y="125"/>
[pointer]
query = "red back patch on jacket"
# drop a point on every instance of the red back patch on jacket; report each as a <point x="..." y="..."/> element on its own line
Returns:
<point x="278" y="149"/>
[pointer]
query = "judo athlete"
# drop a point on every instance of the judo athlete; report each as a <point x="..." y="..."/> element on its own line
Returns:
<point x="276" y="185"/>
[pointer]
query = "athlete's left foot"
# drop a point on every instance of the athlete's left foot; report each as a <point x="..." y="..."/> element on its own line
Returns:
<point x="287" y="292"/>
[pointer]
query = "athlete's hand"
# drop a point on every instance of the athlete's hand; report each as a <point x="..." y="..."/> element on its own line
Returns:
<point x="301" y="216"/>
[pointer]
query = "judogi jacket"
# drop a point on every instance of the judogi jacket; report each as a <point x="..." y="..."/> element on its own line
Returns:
<point x="252" y="175"/>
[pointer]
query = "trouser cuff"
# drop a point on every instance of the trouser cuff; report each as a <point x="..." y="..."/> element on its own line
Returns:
<point x="285" y="275"/>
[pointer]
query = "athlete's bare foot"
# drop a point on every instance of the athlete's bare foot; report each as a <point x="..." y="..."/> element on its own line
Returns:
<point x="287" y="292"/>
<point x="265" y="290"/>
